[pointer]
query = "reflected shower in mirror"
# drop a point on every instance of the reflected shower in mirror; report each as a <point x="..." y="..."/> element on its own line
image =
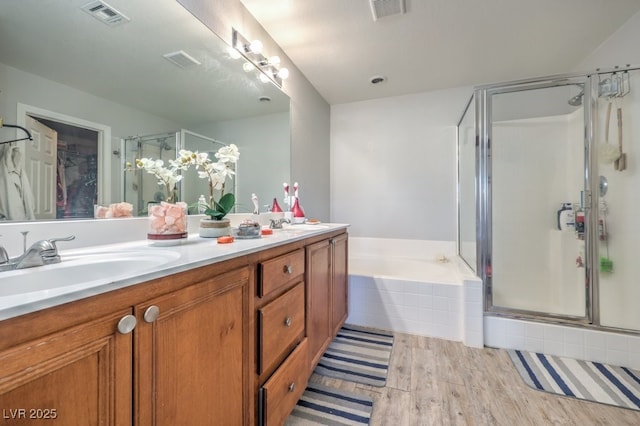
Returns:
<point x="139" y="76"/>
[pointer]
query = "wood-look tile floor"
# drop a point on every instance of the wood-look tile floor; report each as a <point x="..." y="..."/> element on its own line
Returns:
<point x="439" y="382"/>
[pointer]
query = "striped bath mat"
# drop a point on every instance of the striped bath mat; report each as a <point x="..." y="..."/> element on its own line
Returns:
<point x="322" y="405"/>
<point x="592" y="381"/>
<point x="359" y="355"/>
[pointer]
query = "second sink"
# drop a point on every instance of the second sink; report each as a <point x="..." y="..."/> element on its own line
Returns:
<point x="77" y="270"/>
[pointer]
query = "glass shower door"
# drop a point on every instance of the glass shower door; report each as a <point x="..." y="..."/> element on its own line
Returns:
<point x="535" y="178"/>
<point x="619" y="291"/>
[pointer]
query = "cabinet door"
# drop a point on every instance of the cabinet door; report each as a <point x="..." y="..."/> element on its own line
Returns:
<point x="78" y="376"/>
<point x="340" y="282"/>
<point x="318" y="299"/>
<point x="192" y="359"/>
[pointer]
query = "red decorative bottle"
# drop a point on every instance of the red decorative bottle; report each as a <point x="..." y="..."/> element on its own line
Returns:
<point x="275" y="208"/>
<point x="296" y="209"/>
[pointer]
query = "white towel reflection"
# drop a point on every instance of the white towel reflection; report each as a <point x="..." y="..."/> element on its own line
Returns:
<point x="16" y="196"/>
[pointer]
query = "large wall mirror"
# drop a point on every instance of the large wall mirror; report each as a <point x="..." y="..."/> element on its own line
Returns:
<point x="96" y="93"/>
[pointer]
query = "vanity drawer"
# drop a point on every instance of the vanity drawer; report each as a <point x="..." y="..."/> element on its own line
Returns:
<point x="285" y="387"/>
<point x="281" y="323"/>
<point x="278" y="272"/>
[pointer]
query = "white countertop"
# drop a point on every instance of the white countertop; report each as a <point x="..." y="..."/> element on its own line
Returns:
<point x="191" y="253"/>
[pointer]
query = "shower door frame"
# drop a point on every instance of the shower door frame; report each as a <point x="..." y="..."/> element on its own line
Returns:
<point x="483" y="111"/>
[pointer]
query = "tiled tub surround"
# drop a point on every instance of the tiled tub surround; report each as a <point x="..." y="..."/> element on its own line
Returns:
<point x="572" y="342"/>
<point x="403" y="286"/>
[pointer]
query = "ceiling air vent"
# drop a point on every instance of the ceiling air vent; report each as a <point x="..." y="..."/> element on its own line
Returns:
<point x="382" y="8"/>
<point x="181" y="59"/>
<point x="105" y="13"/>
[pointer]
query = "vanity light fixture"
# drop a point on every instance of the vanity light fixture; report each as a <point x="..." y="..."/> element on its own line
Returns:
<point x="268" y="65"/>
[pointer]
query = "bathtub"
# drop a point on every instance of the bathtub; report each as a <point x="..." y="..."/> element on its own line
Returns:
<point x="416" y="287"/>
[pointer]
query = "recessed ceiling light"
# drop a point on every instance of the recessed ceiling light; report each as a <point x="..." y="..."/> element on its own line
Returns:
<point x="377" y="79"/>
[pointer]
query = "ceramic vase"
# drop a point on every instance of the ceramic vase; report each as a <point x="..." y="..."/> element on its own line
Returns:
<point x="211" y="228"/>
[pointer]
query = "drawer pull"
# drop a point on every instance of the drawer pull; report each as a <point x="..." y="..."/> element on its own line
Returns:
<point x="292" y="387"/>
<point x="288" y="269"/>
<point x="287" y="322"/>
<point x="152" y="313"/>
<point x="126" y="324"/>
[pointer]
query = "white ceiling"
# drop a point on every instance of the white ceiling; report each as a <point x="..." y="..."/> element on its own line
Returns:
<point x="436" y="44"/>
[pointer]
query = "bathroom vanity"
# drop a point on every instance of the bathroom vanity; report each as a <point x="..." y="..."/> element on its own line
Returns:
<point x="222" y="339"/>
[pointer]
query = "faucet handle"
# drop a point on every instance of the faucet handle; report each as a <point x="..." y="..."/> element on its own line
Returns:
<point x="69" y="238"/>
<point x="54" y="240"/>
<point x="49" y="245"/>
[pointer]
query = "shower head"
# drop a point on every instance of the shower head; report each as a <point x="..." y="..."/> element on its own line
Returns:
<point x="576" y="100"/>
<point x="164" y="145"/>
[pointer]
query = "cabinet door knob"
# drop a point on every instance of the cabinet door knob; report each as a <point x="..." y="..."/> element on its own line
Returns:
<point x="152" y="313"/>
<point x="288" y="269"/>
<point x="292" y="387"/>
<point x="126" y="324"/>
<point x="287" y="322"/>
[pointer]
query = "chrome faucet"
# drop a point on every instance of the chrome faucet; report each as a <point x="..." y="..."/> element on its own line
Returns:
<point x="43" y="252"/>
<point x="277" y="224"/>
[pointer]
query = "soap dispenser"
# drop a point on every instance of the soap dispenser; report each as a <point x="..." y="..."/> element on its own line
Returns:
<point x="202" y="204"/>
<point x="566" y="217"/>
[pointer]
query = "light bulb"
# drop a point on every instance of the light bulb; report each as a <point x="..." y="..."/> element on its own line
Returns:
<point x="233" y="53"/>
<point x="283" y="73"/>
<point x="264" y="78"/>
<point x="247" y="67"/>
<point x="274" y="60"/>
<point x="255" y="46"/>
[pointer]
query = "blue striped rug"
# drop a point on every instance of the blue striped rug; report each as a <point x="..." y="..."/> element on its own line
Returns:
<point x="592" y="381"/>
<point x="322" y="405"/>
<point x="359" y="355"/>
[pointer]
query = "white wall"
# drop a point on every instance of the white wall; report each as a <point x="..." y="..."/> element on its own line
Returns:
<point x="393" y="165"/>
<point x="264" y="164"/>
<point x="619" y="49"/>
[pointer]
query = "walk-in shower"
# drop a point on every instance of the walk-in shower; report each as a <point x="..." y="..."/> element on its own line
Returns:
<point x="535" y="222"/>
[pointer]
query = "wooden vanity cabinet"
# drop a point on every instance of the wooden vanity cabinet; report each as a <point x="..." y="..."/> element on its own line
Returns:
<point x="192" y="354"/>
<point x="327" y="296"/>
<point x="172" y="351"/>
<point x="319" y="326"/>
<point x="225" y="344"/>
<point x="79" y="375"/>
<point x="287" y="357"/>
<point x="281" y="348"/>
<point x="339" y="282"/>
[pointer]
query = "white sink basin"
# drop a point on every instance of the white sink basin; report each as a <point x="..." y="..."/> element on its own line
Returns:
<point x="78" y="271"/>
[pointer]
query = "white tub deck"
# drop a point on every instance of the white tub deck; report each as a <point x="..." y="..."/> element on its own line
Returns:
<point x="404" y="286"/>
